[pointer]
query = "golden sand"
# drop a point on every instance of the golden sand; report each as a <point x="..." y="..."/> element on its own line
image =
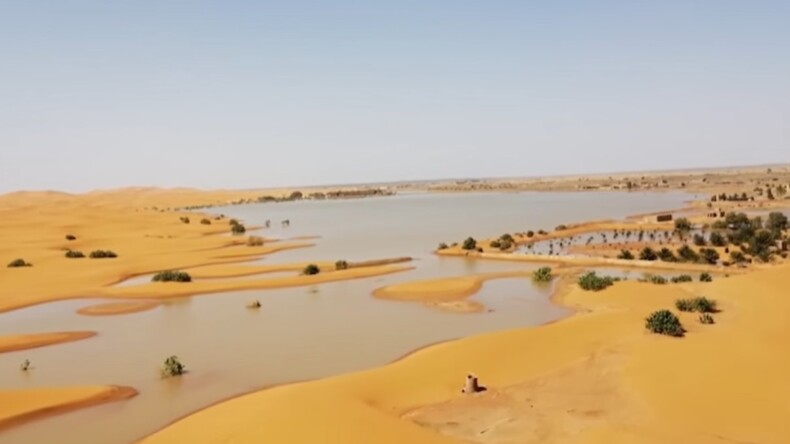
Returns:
<point x="21" y="406"/>
<point x="24" y="342"/>
<point x="116" y="308"/>
<point x="597" y="376"/>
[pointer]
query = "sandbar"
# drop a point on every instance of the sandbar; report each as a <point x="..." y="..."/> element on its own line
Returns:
<point x="35" y="340"/>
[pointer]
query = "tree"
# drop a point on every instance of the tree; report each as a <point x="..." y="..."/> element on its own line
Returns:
<point x="717" y="239"/>
<point x="647" y="254"/>
<point x="709" y="255"/>
<point x="687" y="254"/>
<point x="625" y="255"/>
<point x="666" y="255"/>
<point x="311" y="270"/>
<point x="682" y="225"/>
<point x="760" y="245"/>
<point x="699" y="240"/>
<point x="469" y="244"/>
<point x="777" y="222"/>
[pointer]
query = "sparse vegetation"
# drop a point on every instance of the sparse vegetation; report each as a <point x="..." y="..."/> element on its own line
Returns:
<point x="687" y="254"/>
<point x="237" y="229"/>
<point x="469" y="244"/>
<point x="184" y="219"/>
<point x="664" y="322"/>
<point x="442" y="246"/>
<point x="254" y="304"/>
<point x="561" y="227"/>
<point x="647" y="254"/>
<point x="25" y="365"/>
<point x="173" y="367"/>
<point x="592" y="282"/>
<point x="73" y="254"/>
<point x="171" y="276"/>
<point x="16" y="263"/>
<point x="205" y="221"/>
<point x="699" y="240"/>
<point x="658" y="280"/>
<point x="705" y="277"/>
<point x="667" y="255"/>
<point x="706" y="318"/>
<point x="71" y="237"/>
<point x="709" y="255"/>
<point x="254" y="241"/>
<point x="717" y="239"/>
<point x="625" y="255"/>
<point x="311" y="270"/>
<point x="341" y="265"/>
<point x="682" y="225"/>
<point x="102" y="254"/>
<point x="699" y="304"/>
<point x="681" y="278"/>
<point x="542" y="274"/>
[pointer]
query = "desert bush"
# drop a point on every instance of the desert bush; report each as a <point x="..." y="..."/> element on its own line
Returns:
<point x="682" y="225"/>
<point x="664" y="322"/>
<point x="311" y="270"/>
<point x="530" y="233"/>
<point x="542" y="232"/>
<point x="560" y="227"/>
<point x="173" y="367"/>
<point x="667" y="255"/>
<point x="442" y="246"/>
<point x="72" y="254"/>
<point x="542" y="274"/>
<point x="341" y="265"/>
<point x="507" y="238"/>
<point x="184" y="219"/>
<point x="171" y="276"/>
<point x="626" y="255"/>
<point x="592" y="282"/>
<point x="233" y="222"/>
<point x="718" y="240"/>
<point x="205" y="221"/>
<point x="706" y="318"/>
<point x="647" y="254"/>
<point x="700" y="304"/>
<point x="504" y="244"/>
<point x="254" y="241"/>
<point x="495" y="243"/>
<point x="681" y="278"/>
<point x="469" y="244"/>
<point x="777" y="222"/>
<point x="687" y="254"/>
<point x="658" y="280"/>
<point x="737" y="257"/>
<point x="16" y="263"/>
<point x="699" y="240"/>
<point x="102" y="254"/>
<point x="705" y="277"/>
<point x="71" y="237"/>
<point x="709" y="255"/>
<point x="254" y="304"/>
<point x="237" y="229"/>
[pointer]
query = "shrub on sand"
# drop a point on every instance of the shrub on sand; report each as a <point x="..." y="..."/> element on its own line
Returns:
<point x="16" y="263"/>
<point x="664" y="322"/>
<point x="542" y="274"/>
<point x="171" y="276"/>
<point x="311" y="270"/>
<point x="72" y="254"/>
<point x="173" y="367"/>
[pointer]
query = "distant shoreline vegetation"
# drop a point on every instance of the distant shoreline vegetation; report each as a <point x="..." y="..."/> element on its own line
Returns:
<point x="299" y="195"/>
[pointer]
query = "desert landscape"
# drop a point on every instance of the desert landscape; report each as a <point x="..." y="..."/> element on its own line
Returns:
<point x="551" y="320"/>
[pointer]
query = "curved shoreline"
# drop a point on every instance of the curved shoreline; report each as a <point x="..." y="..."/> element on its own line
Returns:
<point x="14" y="343"/>
<point x="117" y="308"/>
<point x="105" y="395"/>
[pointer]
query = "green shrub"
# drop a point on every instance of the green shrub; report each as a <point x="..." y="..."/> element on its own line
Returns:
<point x="658" y="280"/>
<point x="102" y="254"/>
<point x="705" y="277"/>
<point x="699" y="240"/>
<point x="171" y="276"/>
<point x="205" y="221"/>
<point x="737" y="257"/>
<point x="71" y="237"/>
<point x="341" y="265"/>
<point x="592" y="282"/>
<point x="254" y="241"/>
<point x="173" y="367"/>
<point x="505" y="245"/>
<point x="625" y="255"/>
<point x="664" y="322"/>
<point x="706" y="318"/>
<point x="681" y="278"/>
<point x="495" y="244"/>
<point x="16" y="263"/>
<point x="507" y="238"/>
<point x="542" y="274"/>
<point x="237" y="229"/>
<point x="709" y="255"/>
<point x="666" y="255"/>
<point x="469" y="244"/>
<point x="647" y="254"/>
<point x="311" y="270"/>
<point x="682" y="225"/>
<point x="72" y="254"/>
<point x="700" y="304"/>
<point x="718" y="240"/>
<point x="442" y="246"/>
<point x="687" y="254"/>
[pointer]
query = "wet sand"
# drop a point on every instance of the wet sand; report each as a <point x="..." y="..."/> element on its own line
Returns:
<point x="24" y="342"/>
<point x="118" y="308"/>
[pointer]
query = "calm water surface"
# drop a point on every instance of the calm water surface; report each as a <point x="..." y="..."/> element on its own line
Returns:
<point x="299" y="333"/>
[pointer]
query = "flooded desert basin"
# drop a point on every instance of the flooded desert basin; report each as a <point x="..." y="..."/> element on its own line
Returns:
<point x="299" y="333"/>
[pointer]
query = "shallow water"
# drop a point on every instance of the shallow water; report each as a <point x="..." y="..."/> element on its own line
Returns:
<point x="299" y="333"/>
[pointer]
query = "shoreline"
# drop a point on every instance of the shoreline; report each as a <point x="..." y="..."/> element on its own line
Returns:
<point x="12" y="343"/>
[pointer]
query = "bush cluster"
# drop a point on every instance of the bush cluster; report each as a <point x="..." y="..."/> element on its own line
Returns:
<point x="705" y="277"/>
<point x="73" y="254"/>
<point x="542" y="274"/>
<point x="626" y="255"/>
<point x="681" y="278"/>
<point x="699" y="304"/>
<point x="102" y="254"/>
<point x="664" y="322"/>
<point x="172" y="276"/>
<point x="706" y="318"/>
<point x="592" y="282"/>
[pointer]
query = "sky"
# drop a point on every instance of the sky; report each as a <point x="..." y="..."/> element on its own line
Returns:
<point x="255" y="94"/>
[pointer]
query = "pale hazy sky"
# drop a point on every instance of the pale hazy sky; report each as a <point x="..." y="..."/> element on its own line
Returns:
<point x="97" y="94"/>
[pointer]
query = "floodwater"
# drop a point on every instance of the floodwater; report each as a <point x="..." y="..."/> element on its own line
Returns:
<point x="299" y="333"/>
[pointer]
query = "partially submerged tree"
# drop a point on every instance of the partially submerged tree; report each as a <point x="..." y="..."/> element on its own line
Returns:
<point x="173" y="367"/>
